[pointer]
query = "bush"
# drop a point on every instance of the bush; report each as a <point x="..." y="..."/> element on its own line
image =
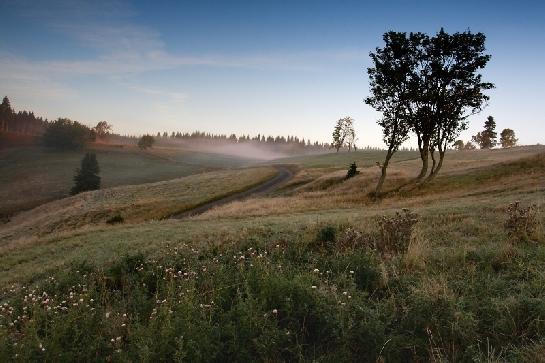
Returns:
<point x="146" y="141"/>
<point x="395" y="232"/>
<point x="116" y="219"/>
<point x="522" y="224"/>
<point x="352" y="171"/>
<point x="327" y="237"/>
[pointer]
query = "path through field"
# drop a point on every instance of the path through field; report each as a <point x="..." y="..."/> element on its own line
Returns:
<point x="284" y="174"/>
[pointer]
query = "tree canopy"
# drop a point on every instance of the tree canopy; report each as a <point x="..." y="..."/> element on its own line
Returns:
<point x="67" y="134"/>
<point x="427" y="86"/>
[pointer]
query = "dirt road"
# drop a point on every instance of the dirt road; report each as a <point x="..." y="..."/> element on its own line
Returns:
<point x="284" y="174"/>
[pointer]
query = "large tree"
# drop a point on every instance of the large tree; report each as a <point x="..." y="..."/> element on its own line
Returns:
<point x="435" y="86"/>
<point x="507" y="138"/>
<point x="86" y="177"/>
<point x="391" y="91"/>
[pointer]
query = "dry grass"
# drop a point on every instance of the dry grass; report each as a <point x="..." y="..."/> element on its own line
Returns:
<point x="501" y="174"/>
<point x="134" y="203"/>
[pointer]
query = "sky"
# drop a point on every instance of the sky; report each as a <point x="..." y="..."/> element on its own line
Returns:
<point x="249" y="67"/>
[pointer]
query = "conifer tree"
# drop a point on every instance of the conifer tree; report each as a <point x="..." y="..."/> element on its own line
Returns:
<point x="86" y="177"/>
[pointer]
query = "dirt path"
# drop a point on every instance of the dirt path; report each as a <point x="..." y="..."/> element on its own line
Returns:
<point x="284" y="174"/>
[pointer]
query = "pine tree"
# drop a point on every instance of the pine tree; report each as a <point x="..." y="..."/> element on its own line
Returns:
<point x="86" y="177"/>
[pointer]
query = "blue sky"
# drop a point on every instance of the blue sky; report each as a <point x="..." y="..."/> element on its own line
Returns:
<point x="272" y="67"/>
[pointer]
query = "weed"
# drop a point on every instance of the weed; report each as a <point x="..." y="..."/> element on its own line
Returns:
<point x="395" y="232"/>
<point x="522" y="223"/>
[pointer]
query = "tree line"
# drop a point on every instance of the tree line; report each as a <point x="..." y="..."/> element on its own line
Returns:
<point x="488" y="138"/>
<point x="24" y="122"/>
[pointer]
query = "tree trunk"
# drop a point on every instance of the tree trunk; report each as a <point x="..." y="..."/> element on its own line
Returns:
<point x="383" y="172"/>
<point x="424" y="155"/>
<point x="435" y="171"/>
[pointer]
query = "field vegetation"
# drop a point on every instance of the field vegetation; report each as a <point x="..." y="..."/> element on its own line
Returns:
<point x="316" y="272"/>
<point x="30" y="176"/>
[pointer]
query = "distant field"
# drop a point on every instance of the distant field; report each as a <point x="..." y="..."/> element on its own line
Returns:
<point x="343" y="159"/>
<point x="30" y="176"/>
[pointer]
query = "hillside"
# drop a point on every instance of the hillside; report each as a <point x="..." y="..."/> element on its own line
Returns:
<point x="304" y="272"/>
<point x="32" y="175"/>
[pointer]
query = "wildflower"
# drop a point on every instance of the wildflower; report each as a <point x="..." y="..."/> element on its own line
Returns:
<point x="313" y="286"/>
<point x="316" y="270"/>
<point x="275" y="311"/>
<point x="107" y="315"/>
<point x="351" y="272"/>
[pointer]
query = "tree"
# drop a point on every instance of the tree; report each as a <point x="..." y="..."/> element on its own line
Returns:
<point x="390" y="92"/>
<point x="430" y="85"/>
<point x="86" y="177"/>
<point x="66" y="134"/>
<point x="6" y="113"/>
<point x="102" y="129"/>
<point x="349" y="132"/>
<point x="507" y="138"/>
<point x="486" y="139"/>
<point x="459" y="145"/>
<point x="352" y="171"/>
<point x="469" y="146"/>
<point x="344" y="133"/>
<point x="146" y="141"/>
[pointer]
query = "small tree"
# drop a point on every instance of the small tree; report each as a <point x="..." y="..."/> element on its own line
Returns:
<point x="352" y="171"/>
<point x="86" y="177"/>
<point x="507" y="138"/>
<point x="102" y="129"/>
<point x="146" y="141"/>
<point x="486" y="139"/>
<point x="338" y="135"/>
<point x="469" y="146"/>
<point x="459" y="145"/>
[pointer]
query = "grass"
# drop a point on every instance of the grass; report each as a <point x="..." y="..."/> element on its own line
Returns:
<point x="301" y="276"/>
<point x="133" y="204"/>
<point x="30" y="176"/>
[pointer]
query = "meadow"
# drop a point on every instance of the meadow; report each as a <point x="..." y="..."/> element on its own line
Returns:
<point x="33" y="175"/>
<point x="316" y="271"/>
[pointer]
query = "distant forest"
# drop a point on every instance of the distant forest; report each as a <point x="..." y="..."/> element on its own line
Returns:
<point x="26" y="123"/>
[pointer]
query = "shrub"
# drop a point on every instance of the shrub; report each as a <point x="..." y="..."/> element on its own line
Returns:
<point x="522" y="224"/>
<point x="146" y="141"/>
<point x="327" y="236"/>
<point x="352" y="171"/>
<point x="395" y="232"/>
<point x="116" y="219"/>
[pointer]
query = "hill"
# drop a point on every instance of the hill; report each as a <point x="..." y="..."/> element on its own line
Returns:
<point x="314" y="271"/>
<point x="33" y="175"/>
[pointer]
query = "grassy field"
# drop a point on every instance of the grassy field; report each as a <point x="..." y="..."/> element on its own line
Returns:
<point x="134" y="204"/>
<point x="31" y="176"/>
<point x="316" y="272"/>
